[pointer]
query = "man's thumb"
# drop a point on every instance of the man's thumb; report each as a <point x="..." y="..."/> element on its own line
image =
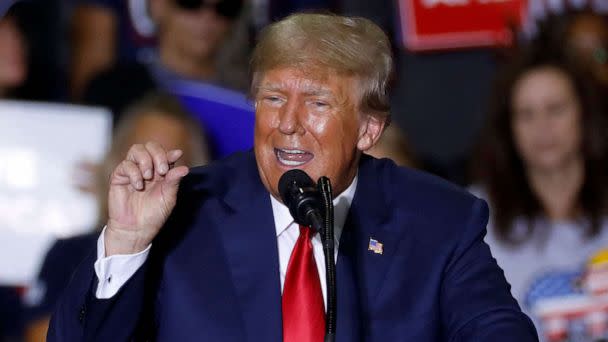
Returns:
<point x="175" y="175"/>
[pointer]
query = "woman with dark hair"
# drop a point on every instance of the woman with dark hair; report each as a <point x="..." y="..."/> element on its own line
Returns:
<point x="542" y="168"/>
<point x="22" y="77"/>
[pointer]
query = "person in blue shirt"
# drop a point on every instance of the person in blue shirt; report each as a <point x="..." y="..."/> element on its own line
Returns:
<point x="190" y="36"/>
<point x="187" y="37"/>
<point x="108" y="32"/>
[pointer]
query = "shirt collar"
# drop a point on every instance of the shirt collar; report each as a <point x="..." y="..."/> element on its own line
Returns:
<point x="283" y="219"/>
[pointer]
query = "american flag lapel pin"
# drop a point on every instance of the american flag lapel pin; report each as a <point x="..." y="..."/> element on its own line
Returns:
<point x="375" y="246"/>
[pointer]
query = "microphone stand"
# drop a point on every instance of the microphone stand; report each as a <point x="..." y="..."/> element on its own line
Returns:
<point x="327" y="238"/>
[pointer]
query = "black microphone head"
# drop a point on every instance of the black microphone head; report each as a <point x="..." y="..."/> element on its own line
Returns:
<point x="299" y="193"/>
<point x="291" y="178"/>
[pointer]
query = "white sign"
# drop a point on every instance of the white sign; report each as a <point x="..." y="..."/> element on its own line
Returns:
<point x="40" y="146"/>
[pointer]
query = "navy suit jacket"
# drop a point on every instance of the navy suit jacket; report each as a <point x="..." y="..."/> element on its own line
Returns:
<point x="213" y="271"/>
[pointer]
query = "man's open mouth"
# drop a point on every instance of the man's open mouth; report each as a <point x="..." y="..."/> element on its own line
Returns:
<point x="292" y="157"/>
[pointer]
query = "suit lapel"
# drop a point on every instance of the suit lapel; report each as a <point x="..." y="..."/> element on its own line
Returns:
<point x="368" y="218"/>
<point x="250" y="242"/>
<point x="249" y="238"/>
<point x="348" y="312"/>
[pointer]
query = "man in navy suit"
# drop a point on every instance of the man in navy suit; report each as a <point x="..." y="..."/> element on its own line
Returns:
<point x="219" y="259"/>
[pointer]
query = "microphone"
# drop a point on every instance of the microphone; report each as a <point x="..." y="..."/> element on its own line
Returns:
<point x="311" y="205"/>
<point x="300" y="194"/>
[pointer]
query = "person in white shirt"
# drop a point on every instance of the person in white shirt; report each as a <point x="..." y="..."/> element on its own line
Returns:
<point x="542" y="168"/>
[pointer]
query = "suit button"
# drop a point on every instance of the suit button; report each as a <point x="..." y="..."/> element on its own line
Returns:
<point x="81" y="314"/>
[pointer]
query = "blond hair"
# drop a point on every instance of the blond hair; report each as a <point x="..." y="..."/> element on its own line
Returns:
<point x="351" y="46"/>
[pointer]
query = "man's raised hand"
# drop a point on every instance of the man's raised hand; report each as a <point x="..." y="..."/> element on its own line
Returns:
<point x="143" y="191"/>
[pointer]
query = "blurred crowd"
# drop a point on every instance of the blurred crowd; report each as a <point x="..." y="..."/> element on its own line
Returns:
<point x="523" y="127"/>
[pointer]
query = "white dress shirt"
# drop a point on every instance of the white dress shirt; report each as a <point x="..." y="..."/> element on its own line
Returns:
<point x="114" y="271"/>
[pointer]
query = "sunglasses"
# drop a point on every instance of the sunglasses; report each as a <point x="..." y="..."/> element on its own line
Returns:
<point x="226" y="8"/>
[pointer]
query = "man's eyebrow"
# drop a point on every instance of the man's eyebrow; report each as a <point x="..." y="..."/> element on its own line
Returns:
<point x="308" y="90"/>
<point x="318" y="92"/>
<point x="269" y="87"/>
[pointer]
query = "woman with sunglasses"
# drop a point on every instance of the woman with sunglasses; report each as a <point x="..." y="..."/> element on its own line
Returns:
<point x="111" y="33"/>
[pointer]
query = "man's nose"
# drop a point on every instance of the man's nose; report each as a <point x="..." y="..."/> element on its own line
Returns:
<point x="290" y="119"/>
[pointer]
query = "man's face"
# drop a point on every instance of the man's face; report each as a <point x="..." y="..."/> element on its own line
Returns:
<point x="310" y="120"/>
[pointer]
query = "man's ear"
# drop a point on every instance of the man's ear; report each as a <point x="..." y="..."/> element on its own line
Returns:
<point x="370" y="130"/>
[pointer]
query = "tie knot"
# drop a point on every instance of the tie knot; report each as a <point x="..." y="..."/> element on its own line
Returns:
<point x="306" y="231"/>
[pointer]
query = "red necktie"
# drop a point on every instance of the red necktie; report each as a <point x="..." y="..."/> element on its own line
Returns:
<point x="303" y="307"/>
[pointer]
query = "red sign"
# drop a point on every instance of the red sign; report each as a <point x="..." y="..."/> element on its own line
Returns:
<point x="449" y="24"/>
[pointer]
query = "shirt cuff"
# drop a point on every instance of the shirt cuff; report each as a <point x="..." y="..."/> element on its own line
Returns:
<point x="114" y="271"/>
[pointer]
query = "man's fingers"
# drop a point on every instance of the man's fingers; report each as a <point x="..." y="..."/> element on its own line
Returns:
<point x="143" y="161"/>
<point x="176" y="174"/>
<point x="130" y="170"/>
<point x="140" y="156"/>
<point x="159" y="157"/>
<point x="174" y="155"/>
